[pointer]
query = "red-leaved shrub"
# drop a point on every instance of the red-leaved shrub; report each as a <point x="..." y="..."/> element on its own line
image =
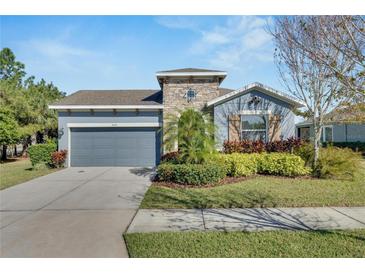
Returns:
<point x="247" y="146"/>
<point x="59" y="158"/>
<point x="172" y="157"/>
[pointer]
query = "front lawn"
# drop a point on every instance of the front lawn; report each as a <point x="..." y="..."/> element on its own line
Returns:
<point x="16" y="171"/>
<point x="262" y="191"/>
<point x="247" y="244"/>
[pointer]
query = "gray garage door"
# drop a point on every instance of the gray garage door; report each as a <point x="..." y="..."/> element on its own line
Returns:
<point x="114" y="147"/>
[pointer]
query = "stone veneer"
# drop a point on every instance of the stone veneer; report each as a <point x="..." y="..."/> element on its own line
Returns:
<point x="174" y="90"/>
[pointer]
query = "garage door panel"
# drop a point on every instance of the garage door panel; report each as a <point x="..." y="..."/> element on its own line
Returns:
<point x="114" y="147"/>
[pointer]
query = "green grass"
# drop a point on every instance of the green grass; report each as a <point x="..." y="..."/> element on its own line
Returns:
<point x="247" y="244"/>
<point x="19" y="171"/>
<point x="262" y="191"/>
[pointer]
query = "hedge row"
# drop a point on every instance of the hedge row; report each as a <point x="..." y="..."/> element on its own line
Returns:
<point x="247" y="146"/>
<point x="234" y="165"/>
<point x="192" y="174"/>
<point x="355" y="146"/>
<point x="283" y="164"/>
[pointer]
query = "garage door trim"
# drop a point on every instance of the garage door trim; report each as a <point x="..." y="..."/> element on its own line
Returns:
<point x="103" y="125"/>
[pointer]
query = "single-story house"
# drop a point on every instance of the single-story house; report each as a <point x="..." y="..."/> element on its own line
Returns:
<point x="125" y="127"/>
<point x="344" y="124"/>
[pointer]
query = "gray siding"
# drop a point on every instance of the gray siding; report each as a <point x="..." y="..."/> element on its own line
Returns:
<point x="349" y="133"/>
<point x="102" y="117"/>
<point x="345" y="132"/>
<point x="235" y="105"/>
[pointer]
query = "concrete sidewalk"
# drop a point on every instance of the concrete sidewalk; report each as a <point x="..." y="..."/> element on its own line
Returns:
<point x="248" y="219"/>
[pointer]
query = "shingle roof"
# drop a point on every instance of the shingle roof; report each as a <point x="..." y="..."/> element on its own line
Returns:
<point x="189" y="70"/>
<point x="224" y="91"/>
<point x="112" y="97"/>
<point x="353" y="114"/>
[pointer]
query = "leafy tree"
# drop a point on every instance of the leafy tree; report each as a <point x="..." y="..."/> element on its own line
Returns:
<point x="192" y="133"/>
<point x="27" y="100"/>
<point x="10" y="69"/>
<point x="304" y="76"/>
<point x="8" y="130"/>
<point x="39" y="95"/>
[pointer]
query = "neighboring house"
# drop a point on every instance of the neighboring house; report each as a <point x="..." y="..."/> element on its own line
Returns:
<point x="345" y="124"/>
<point x="124" y="127"/>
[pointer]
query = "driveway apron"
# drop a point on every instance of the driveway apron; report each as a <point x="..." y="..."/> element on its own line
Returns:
<point x="76" y="212"/>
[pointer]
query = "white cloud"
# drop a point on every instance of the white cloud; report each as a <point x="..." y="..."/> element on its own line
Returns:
<point x="255" y="39"/>
<point x="177" y="22"/>
<point x="235" y="43"/>
<point x="215" y="37"/>
<point x="58" y="49"/>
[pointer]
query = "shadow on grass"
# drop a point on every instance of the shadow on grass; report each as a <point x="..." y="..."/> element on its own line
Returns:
<point x="195" y="199"/>
<point x="347" y="234"/>
<point x="11" y="160"/>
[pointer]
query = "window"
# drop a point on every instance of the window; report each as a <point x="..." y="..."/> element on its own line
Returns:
<point x="253" y="127"/>
<point x="327" y="134"/>
<point x="304" y="133"/>
<point x="190" y="95"/>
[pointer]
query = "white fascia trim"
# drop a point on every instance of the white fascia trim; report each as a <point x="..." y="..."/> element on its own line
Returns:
<point x="265" y="89"/>
<point x="104" y="107"/>
<point x="68" y="147"/>
<point x="255" y="112"/>
<point x="72" y="125"/>
<point x="163" y="74"/>
<point x="303" y="124"/>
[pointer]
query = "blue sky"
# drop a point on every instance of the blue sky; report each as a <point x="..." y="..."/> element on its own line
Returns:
<point x="121" y="52"/>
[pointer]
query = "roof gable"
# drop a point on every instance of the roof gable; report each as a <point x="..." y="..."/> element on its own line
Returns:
<point x="259" y="87"/>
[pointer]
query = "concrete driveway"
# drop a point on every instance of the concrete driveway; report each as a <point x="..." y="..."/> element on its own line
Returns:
<point x="76" y="212"/>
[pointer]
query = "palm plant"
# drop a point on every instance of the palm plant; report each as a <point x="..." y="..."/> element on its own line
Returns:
<point x="191" y="133"/>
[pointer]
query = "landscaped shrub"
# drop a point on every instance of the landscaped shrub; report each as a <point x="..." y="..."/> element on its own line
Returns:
<point x="355" y="146"/>
<point x="246" y="164"/>
<point x="247" y="146"/>
<point x="283" y="164"/>
<point x="42" y="153"/>
<point x="306" y="152"/>
<point x="191" y="174"/>
<point x="244" y="146"/>
<point x="288" y="145"/>
<point x="337" y="163"/>
<point x="58" y="158"/>
<point x="193" y="133"/>
<point x="239" y="164"/>
<point x="171" y="157"/>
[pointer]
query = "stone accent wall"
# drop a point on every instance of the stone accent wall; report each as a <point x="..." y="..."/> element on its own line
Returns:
<point x="174" y="90"/>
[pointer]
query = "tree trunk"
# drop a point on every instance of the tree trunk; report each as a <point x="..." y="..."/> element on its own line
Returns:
<point x="4" y="154"/>
<point x="15" y="151"/>
<point x="26" y="142"/>
<point x="317" y="141"/>
<point x="39" y="137"/>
